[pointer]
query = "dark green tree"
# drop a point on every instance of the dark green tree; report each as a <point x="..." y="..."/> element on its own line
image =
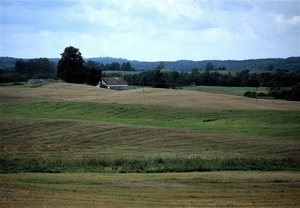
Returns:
<point x="158" y="80"/>
<point x="115" y="66"/>
<point x="128" y="66"/>
<point x="94" y="76"/>
<point x="70" y="66"/>
<point x="20" y="66"/>
<point x="295" y="94"/>
<point x="195" y="77"/>
<point x="92" y="64"/>
<point x="123" y="67"/>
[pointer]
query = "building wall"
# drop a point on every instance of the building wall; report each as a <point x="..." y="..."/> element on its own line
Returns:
<point x="115" y="87"/>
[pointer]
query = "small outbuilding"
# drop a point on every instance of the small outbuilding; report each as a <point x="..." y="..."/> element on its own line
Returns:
<point x="116" y="83"/>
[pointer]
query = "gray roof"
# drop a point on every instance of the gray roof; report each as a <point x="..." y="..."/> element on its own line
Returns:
<point x="114" y="80"/>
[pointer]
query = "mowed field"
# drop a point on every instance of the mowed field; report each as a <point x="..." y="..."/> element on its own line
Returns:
<point x="93" y="138"/>
<point x="205" y="189"/>
<point x="148" y="96"/>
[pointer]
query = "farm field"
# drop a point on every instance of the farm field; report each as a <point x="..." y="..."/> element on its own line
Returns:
<point x="226" y="90"/>
<point x="149" y="96"/>
<point x="143" y="148"/>
<point x="206" y="189"/>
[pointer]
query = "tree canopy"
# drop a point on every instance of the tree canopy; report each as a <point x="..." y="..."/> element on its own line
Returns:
<point x="70" y="67"/>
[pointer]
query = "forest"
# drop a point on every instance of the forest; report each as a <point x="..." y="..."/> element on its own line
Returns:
<point x="19" y="70"/>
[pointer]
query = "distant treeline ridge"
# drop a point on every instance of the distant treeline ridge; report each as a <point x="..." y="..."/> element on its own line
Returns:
<point x="291" y="63"/>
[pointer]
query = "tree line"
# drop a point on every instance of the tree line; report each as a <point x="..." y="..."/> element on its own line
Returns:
<point x="282" y="84"/>
<point x="70" y="68"/>
<point x="113" y="66"/>
<point x="41" y="68"/>
<point x="291" y="64"/>
<point x="244" y="78"/>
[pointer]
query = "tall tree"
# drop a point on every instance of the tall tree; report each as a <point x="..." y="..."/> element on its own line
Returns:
<point x="158" y="80"/>
<point x="128" y="66"/>
<point x="20" y="66"/>
<point x="70" y="66"/>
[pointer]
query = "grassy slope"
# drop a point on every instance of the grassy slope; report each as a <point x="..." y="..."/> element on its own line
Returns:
<point x="242" y="90"/>
<point x="248" y="122"/>
<point x="48" y="129"/>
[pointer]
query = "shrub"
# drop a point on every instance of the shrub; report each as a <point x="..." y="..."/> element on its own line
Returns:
<point x="250" y="94"/>
<point x="284" y="93"/>
<point x="262" y="94"/>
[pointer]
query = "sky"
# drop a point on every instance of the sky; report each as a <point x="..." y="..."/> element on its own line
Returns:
<point x="151" y="30"/>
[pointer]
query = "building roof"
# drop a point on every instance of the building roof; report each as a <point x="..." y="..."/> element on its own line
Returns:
<point x="114" y="80"/>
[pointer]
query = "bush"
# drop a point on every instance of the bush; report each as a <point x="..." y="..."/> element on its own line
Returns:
<point x="285" y="93"/>
<point x="254" y="94"/>
<point x="262" y="94"/>
<point x="250" y="94"/>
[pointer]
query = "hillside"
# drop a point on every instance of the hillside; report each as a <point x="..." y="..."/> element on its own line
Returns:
<point x="62" y="127"/>
<point x="150" y="96"/>
<point x="291" y="63"/>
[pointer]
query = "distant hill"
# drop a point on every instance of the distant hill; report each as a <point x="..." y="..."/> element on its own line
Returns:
<point x="291" y="63"/>
<point x="7" y="63"/>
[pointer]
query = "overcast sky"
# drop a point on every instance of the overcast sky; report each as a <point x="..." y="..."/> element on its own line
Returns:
<point x="151" y="30"/>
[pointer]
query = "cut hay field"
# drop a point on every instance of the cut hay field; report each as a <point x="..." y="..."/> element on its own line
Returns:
<point x="89" y="137"/>
<point x="208" y="189"/>
<point x="149" y="96"/>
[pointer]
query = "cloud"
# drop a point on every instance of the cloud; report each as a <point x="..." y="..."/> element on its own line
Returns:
<point x="151" y="30"/>
<point x="284" y="23"/>
<point x="233" y="5"/>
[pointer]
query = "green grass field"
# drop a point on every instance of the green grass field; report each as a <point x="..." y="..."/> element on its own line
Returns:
<point x="240" y="89"/>
<point x="247" y="122"/>
<point x="87" y="153"/>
